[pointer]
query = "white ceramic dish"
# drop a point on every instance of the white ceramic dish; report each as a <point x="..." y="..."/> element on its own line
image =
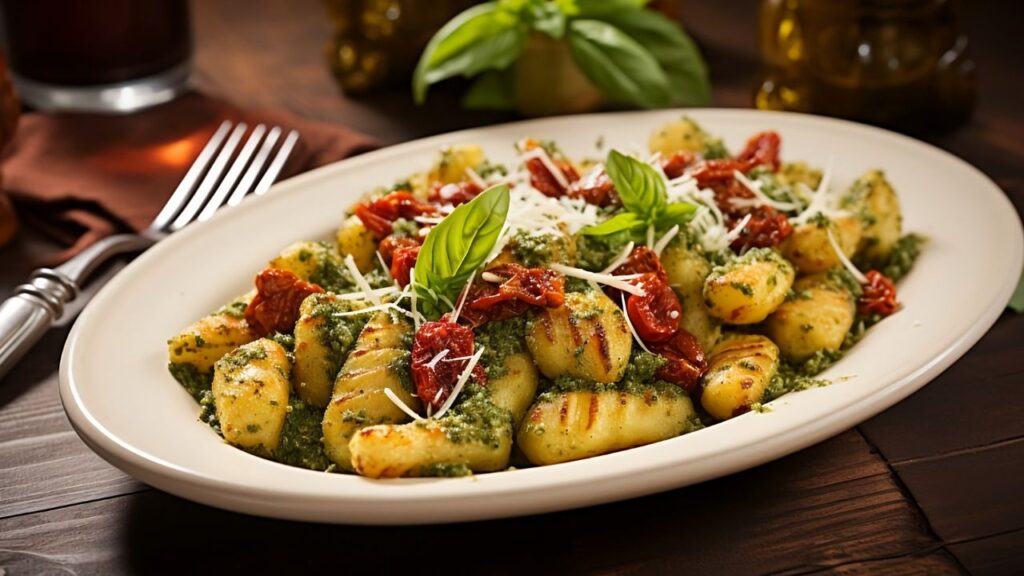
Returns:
<point x="124" y="404"/>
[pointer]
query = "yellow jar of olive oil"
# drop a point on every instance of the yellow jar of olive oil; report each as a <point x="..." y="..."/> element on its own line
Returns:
<point x="377" y="42"/>
<point x="903" y="64"/>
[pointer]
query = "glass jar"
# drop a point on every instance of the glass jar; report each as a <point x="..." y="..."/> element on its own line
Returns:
<point x="903" y="64"/>
<point x="378" y="42"/>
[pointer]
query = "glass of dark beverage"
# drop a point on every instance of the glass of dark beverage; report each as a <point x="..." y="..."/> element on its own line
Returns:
<point x="113" y="56"/>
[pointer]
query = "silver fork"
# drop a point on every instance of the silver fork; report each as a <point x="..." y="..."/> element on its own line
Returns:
<point x="206" y="187"/>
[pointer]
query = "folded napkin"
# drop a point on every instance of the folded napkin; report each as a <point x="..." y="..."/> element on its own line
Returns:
<point x="80" y="177"/>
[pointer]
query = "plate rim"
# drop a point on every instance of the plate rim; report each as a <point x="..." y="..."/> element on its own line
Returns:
<point x="243" y="497"/>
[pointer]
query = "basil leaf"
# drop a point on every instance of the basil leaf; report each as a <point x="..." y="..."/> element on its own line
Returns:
<point x="493" y="90"/>
<point x="459" y="245"/>
<point x="547" y="18"/>
<point x="618" y="65"/>
<point x="674" y="50"/>
<point x="1017" y="301"/>
<point x="478" y="39"/>
<point x="640" y="187"/>
<point x="618" y="223"/>
<point x="598" y="8"/>
<point x="675" y="213"/>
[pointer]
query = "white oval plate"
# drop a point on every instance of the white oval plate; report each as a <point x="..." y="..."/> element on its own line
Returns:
<point x="120" y="398"/>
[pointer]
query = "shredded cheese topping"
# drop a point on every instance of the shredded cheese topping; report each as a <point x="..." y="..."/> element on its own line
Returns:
<point x="463" y="378"/>
<point x="401" y="405"/>
<point x="846" y="261"/>
<point x="620" y="282"/>
<point x="361" y="282"/>
<point x="632" y="330"/>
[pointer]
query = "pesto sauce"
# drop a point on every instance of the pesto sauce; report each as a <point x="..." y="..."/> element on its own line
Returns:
<point x="234" y="309"/>
<point x="192" y="379"/>
<point x="595" y="253"/>
<point x="902" y="257"/>
<point x="208" y="411"/>
<point x="301" y="441"/>
<point x="401" y="367"/>
<point x="474" y="418"/>
<point x="337" y="333"/>
<point x="532" y="250"/>
<point x="639" y="379"/>
<point x="445" y="470"/>
<point x="500" y="340"/>
<point x="329" y="272"/>
<point x="403" y="228"/>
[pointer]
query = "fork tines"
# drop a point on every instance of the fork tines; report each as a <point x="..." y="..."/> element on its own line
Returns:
<point x="221" y="176"/>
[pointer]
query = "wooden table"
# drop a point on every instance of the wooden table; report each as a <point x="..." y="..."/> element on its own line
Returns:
<point x="931" y="486"/>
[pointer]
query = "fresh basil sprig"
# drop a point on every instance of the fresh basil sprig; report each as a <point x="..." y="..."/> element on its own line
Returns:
<point x="456" y="247"/>
<point x="631" y="54"/>
<point x="644" y="198"/>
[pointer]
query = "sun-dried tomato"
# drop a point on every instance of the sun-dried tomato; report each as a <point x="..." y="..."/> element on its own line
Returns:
<point x="641" y="261"/>
<point x="675" y="165"/>
<point x="517" y="290"/>
<point x="655" y="315"/>
<point x="388" y="245"/>
<point x="710" y="172"/>
<point x="766" y="228"/>
<point x="403" y="260"/>
<point x="377" y="215"/>
<point x="543" y="180"/>
<point x="434" y="383"/>
<point x="686" y="362"/>
<point x="275" y="308"/>
<point x="596" y="189"/>
<point x="878" y="296"/>
<point x="762" y="150"/>
<point x="454" y="194"/>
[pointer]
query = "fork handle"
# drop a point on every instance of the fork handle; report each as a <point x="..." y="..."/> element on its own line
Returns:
<point x="27" y="315"/>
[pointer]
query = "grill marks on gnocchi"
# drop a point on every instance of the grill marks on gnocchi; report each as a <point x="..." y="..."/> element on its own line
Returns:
<point x="762" y="266"/>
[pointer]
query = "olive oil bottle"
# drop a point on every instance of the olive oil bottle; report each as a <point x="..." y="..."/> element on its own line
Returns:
<point x="902" y="64"/>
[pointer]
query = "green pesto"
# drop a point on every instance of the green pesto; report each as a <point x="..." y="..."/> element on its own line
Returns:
<point x="400" y="185"/>
<point x="792" y="295"/>
<point x="744" y="288"/>
<point x="287" y="341"/>
<point x="642" y="367"/>
<point x="445" y="470"/>
<point x="329" y="272"/>
<point x="336" y="333"/>
<point x="793" y="379"/>
<point x="651" y="390"/>
<point x="839" y="278"/>
<point x="208" y="411"/>
<point x="234" y="309"/>
<point x="401" y="367"/>
<point x="405" y="228"/>
<point x="475" y="418"/>
<point x="533" y="250"/>
<point x="902" y="257"/>
<point x="595" y="253"/>
<point x="820" y="220"/>
<point x="749" y="257"/>
<point x="486" y="169"/>
<point x="191" y="378"/>
<point x="301" y="441"/>
<point x="500" y="340"/>
<point x="241" y="357"/>
<point x="773" y="188"/>
<point x="577" y="285"/>
<point x="253" y="428"/>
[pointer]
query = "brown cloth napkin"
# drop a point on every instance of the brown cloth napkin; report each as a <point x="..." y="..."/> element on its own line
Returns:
<point x="80" y="177"/>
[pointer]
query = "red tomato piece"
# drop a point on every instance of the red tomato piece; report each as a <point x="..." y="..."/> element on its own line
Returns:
<point x="403" y="260"/>
<point x="454" y="194"/>
<point x="878" y="296"/>
<point x="519" y="288"/>
<point x="377" y="215"/>
<point x="766" y="228"/>
<point x="597" y="190"/>
<point x="762" y="150"/>
<point x="275" y="308"/>
<point x="675" y="165"/>
<point x="435" y="383"/>
<point x="543" y="180"/>
<point x="686" y="363"/>
<point x="655" y="315"/>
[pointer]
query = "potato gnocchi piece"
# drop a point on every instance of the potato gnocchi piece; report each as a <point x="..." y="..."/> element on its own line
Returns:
<point x="749" y="288"/>
<point x="316" y="262"/>
<point x="378" y="362"/>
<point x="794" y="173"/>
<point x="452" y="166"/>
<point x="208" y="339"/>
<point x="687" y="270"/>
<point x="250" y="393"/>
<point x="533" y="250"/>
<point x="810" y="250"/>
<point x="873" y="199"/>
<point x="516" y="387"/>
<point x="353" y="238"/>
<point x="474" y="436"/>
<point x="587" y="337"/>
<point x="564" y="426"/>
<point x="323" y="340"/>
<point x="817" y="318"/>
<point x="685" y="135"/>
<point x="739" y="369"/>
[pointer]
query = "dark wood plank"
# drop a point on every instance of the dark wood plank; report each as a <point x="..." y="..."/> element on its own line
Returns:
<point x="44" y="464"/>
<point x="997" y="555"/>
<point x="971" y="494"/>
<point x="835" y="506"/>
<point x="974" y="403"/>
